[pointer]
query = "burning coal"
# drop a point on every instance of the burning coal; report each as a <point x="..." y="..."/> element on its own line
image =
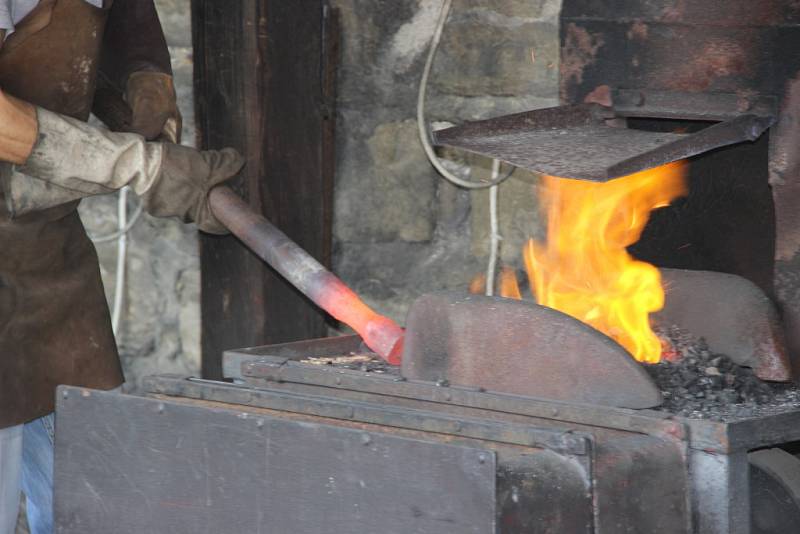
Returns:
<point x="584" y="269"/>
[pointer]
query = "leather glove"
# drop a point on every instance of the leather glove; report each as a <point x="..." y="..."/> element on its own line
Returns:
<point x="73" y="160"/>
<point x="151" y="97"/>
<point x="187" y="176"/>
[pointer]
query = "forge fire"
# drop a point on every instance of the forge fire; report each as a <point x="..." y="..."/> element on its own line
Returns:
<point x="584" y="268"/>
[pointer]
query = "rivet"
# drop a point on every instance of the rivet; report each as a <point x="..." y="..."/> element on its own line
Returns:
<point x="260" y="423"/>
<point x="481" y="459"/>
<point x="366" y="439"/>
<point x="160" y="408"/>
<point x="65" y="394"/>
<point x="85" y="393"/>
<point x="338" y="381"/>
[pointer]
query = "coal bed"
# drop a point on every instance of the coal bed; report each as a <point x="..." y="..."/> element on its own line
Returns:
<point x="699" y="384"/>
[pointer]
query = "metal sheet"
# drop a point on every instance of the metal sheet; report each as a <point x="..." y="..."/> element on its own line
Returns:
<point x="522" y="348"/>
<point x="721" y="496"/>
<point x="314" y="348"/>
<point x="128" y="464"/>
<point x="732" y="315"/>
<point x="656" y="484"/>
<point x="576" y="142"/>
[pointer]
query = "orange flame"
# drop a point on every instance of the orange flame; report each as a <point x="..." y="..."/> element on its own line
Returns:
<point x="509" y="287"/>
<point x="584" y="269"/>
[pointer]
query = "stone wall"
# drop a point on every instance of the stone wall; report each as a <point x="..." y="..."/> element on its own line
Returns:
<point x="400" y="230"/>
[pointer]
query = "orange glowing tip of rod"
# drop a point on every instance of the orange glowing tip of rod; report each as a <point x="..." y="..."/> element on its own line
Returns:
<point x="380" y="333"/>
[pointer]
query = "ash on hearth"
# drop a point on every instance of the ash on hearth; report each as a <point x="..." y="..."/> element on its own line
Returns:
<point x="367" y="363"/>
<point x="699" y="384"/>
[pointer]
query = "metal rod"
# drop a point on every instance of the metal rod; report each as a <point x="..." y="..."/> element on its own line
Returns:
<point x="380" y="333"/>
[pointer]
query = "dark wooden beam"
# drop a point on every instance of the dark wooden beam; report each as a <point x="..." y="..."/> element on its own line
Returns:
<point x="265" y="84"/>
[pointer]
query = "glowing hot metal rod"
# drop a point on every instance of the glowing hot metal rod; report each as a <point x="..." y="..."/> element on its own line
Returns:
<point x="380" y="333"/>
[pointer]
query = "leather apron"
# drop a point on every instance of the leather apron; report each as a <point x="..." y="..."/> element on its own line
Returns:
<point x="54" y="320"/>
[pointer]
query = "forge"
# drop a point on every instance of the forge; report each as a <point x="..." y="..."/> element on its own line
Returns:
<point x="507" y="416"/>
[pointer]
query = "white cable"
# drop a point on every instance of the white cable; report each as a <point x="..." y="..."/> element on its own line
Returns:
<point x="494" y="229"/>
<point x="421" y="124"/>
<point x="114" y="236"/>
<point x="122" y="252"/>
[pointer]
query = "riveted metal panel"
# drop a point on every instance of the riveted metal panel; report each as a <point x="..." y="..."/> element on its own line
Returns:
<point x="131" y="464"/>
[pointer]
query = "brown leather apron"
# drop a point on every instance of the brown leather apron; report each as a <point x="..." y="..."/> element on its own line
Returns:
<point x="54" y="320"/>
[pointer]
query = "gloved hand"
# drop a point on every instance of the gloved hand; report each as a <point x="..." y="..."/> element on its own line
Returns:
<point x="151" y="97"/>
<point x="187" y="176"/>
<point x="73" y="160"/>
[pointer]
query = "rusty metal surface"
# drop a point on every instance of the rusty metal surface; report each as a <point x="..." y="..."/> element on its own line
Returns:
<point x="522" y="348"/>
<point x="576" y="142"/>
<point x="380" y="413"/>
<point x="774" y="491"/>
<point x="626" y="466"/>
<point x="675" y="45"/>
<point x="734" y="317"/>
<point x="259" y="369"/>
<point x="523" y="509"/>
<point x="721" y="496"/>
<point x="727" y="13"/>
<point x="652" y="503"/>
<point x="162" y="467"/>
<point x="691" y="106"/>
<point x="312" y="348"/>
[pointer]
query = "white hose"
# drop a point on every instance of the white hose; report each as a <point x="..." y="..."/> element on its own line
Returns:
<point x="122" y="252"/>
<point x="494" y="229"/>
<point x="116" y="234"/>
<point x="422" y="125"/>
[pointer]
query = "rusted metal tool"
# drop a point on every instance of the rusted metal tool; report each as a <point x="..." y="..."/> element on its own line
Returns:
<point x="380" y="333"/>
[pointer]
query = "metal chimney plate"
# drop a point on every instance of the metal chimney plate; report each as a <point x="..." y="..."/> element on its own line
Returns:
<point x="578" y="141"/>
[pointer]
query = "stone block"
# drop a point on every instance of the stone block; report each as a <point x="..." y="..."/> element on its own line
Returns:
<point x="478" y="58"/>
<point x="383" y="42"/>
<point x="516" y="11"/>
<point x="176" y="20"/>
<point x="386" y="187"/>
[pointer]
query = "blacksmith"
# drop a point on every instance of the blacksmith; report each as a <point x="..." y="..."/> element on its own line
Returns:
<point x="54" y="320"/>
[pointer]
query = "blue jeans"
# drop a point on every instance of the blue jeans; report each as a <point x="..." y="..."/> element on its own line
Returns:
<point x="26" y="463"/>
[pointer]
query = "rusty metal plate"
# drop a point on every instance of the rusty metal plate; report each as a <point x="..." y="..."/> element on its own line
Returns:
<point x="732" y="314"/>
<point x="130" y="464"/>
<point x="576" y="142"/>
<point x="522" y="348"/>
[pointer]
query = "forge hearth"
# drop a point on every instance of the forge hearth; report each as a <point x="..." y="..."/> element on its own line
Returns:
<point x="300" y="445"/>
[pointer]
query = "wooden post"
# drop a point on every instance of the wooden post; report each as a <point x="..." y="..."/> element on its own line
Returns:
<point x="265" y="84"/>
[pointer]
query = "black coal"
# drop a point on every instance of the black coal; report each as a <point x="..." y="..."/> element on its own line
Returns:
<point x="698" y="383"/>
